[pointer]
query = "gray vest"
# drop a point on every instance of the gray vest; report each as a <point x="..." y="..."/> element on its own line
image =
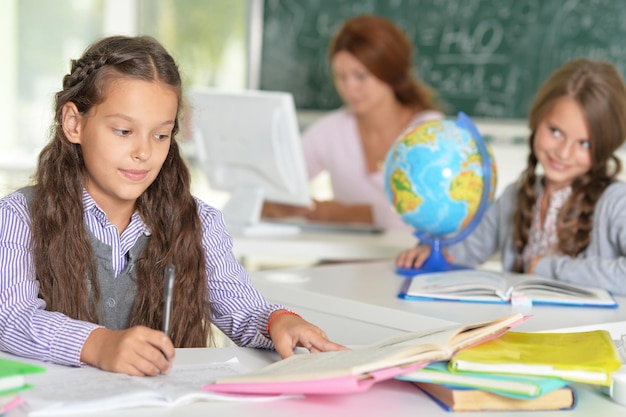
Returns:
<point x="117" y="294"/>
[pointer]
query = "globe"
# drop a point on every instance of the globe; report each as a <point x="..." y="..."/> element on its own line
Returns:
<point x="440" y="177"/>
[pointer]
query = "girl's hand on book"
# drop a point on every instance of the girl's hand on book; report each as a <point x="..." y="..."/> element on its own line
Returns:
<point x="289" y="331"/>
<point x="138" y="351"/>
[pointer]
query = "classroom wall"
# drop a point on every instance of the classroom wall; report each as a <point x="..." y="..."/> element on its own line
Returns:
<point x="484" y="57"/>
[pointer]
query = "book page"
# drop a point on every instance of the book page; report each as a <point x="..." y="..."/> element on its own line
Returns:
<point x="470" y="283"/>
<point x="91" y="389"/>
<point x="402" y="350"/>
<point x="473" y="334"/>
<point x="539" y="289"/>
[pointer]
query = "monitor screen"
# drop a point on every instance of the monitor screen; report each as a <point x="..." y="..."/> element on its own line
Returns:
<point x="248" y="144"/>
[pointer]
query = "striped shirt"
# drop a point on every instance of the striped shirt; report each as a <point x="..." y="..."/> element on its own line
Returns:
<point x="28" y="330"/>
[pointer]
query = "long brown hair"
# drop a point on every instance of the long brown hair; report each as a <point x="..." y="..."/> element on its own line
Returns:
<point x="386" y="51"/>
<point x="63" y="256"/>
<point x="599" y="89"/>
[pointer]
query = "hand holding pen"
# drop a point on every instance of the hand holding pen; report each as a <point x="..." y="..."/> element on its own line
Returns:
<point x="139" y="350"/>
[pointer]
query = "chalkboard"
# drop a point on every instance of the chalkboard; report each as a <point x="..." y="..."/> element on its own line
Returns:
<point x="484" y="57"/>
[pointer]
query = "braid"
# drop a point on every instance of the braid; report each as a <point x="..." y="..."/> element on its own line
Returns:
<point x="523" y="215"/>
<point x="599" y="90"/>
<point x="575" y="220"/>
<point x="81" y="69"/>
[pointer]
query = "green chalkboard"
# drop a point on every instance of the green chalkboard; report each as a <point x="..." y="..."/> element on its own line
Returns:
<point x="484" y="57"/>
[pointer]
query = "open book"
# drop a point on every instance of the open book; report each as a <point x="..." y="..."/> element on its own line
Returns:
<point x="356" y="370"/>
<point x="482" y="286"/>
<point x="81" y="391"/>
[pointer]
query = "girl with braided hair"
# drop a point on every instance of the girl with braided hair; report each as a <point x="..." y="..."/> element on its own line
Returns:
<point x="569" y="223"/>
<point x="84" y="249"/>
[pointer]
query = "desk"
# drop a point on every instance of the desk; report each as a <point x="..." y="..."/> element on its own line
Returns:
<point x="367" y="292"/>
<point x="325" y="245"/>
<point x="389" y="398"/>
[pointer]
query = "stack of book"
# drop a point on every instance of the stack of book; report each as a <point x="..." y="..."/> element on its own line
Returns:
<point x="12" y="383"/>
<point x="356" y="370"/>
<point x="520" y="371"/>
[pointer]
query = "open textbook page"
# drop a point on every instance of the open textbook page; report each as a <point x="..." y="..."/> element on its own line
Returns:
<point x="476" y="285"/>
<point x="76" y="391"/>
<point x="356" y="369"/>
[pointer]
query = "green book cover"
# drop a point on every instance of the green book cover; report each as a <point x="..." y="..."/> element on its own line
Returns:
<point x="515" y="386"/>
<point x="12" y="374"/>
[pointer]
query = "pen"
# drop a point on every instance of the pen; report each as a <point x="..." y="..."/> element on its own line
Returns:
<point x="167" y="298"/>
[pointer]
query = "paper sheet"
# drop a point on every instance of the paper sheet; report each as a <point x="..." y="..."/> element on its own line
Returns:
<point x="66" y="391"/>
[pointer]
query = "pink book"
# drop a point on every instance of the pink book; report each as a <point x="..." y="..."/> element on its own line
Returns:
<point x="339" y="385"/>
<point x="358" y="369"/>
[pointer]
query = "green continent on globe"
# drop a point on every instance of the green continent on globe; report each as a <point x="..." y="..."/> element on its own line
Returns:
<point x="404" y="199"/>
<point x="475" y="158"/>
<point x="463" y="188"/>
<point x="423" y="136"/>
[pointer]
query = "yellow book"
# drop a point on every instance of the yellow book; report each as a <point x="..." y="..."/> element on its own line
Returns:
<point x="587" y="357"/>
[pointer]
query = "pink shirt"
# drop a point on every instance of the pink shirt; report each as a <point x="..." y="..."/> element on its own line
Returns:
<point x="333" y="144"/>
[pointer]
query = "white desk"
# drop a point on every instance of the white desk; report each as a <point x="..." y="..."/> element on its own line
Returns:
<point x="324" y="245"/>
<point x="368" y="291"/>
<point x="356" y="304"/>
<point x="389" y="398"/>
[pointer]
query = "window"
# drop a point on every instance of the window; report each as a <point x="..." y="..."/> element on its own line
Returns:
<point x="206" y="37"/>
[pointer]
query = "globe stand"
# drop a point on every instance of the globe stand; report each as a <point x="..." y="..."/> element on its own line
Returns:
<point x="436" y="261"/>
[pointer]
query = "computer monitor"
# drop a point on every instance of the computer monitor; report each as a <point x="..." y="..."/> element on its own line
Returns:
<point x="248" y="143"/>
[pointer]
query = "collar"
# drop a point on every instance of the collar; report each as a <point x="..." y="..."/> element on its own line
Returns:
<point x="91" y="208"/>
